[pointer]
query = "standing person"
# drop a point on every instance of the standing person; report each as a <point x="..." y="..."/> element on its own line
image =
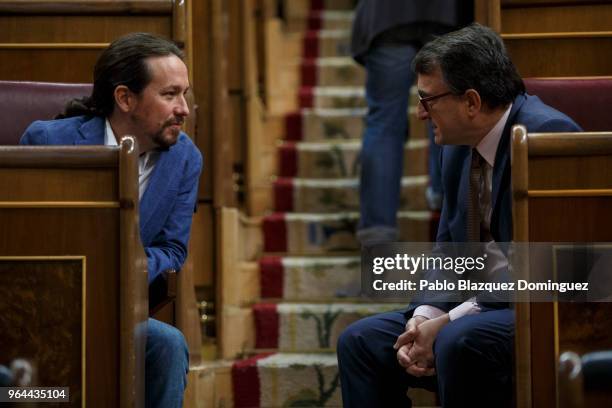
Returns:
<point x="472" y="94"/>
<point x="386" y="36"/>
<point x="140" y="82"/>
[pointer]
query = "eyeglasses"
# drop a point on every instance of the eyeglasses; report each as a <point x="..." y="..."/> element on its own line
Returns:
<point x="425" y="101"/>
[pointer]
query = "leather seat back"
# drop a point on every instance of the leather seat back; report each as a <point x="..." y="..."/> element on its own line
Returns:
<point x="21" y="103"/>
<point x="586" y="100"/>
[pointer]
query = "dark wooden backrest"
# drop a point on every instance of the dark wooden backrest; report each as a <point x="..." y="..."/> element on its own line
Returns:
<point x="562" y="192"/>
<point x="73" y="279"/>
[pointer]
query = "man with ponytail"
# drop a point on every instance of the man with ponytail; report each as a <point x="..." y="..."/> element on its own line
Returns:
<point x="140" y="83"/>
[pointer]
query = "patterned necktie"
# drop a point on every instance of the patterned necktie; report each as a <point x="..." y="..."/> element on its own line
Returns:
<point x="473" y="215"/>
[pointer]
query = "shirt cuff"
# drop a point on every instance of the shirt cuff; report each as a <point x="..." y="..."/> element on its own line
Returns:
<point x="428" y="312"/>
<point x="468" y="307"/>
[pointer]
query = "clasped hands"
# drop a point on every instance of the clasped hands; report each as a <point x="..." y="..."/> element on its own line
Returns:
<point x="415" y="346"/>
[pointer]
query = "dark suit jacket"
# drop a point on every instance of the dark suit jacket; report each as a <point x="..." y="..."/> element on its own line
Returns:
<point x="455" y="161"/>
<point x="169" y="201"/>
<point x="403" y="21"/>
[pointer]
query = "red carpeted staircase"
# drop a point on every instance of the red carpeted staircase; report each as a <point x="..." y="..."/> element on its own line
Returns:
<point x="310" y="272"/>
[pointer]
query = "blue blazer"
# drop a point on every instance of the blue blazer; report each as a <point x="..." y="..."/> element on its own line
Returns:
<point x="455" y="163"/>
<point x="167" y="205"/>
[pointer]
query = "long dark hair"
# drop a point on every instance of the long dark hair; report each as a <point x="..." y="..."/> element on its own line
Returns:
<point x="122" y="63"/>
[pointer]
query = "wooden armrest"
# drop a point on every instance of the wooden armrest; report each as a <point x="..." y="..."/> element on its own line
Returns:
<point x="162" y="291"/>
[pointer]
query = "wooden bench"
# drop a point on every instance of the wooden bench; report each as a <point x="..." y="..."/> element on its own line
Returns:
<point x="73" y="277"/>
<point x="562" y="192"/>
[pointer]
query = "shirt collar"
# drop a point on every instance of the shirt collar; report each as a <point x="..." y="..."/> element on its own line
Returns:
<point x="109" y="135"/>
<point x="488" y="145"/>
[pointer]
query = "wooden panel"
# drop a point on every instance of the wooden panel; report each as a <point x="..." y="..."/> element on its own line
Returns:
<point x="203" y="93"/>
<point x="585" y="327"/>
<point x="557" y="19"/>
<point x="180" y="20"/>
<point x="43" y="317"/>
<point x="239" y="241"/>
<point x="108" y="239"/>
<point x="544" y="330"/>
<point x="202" y="245"/>
<point x="237" y="126"/>
<point x="223" y="121"/>
<point x="64" y="231"/>
<point x="589" y="213"/>
<point x="561" y="56"/>
<point x="560" y="327"/>
<point x="543" y="355"/>
<point x="50" y="65"/>
<point x="588" y="172"/>
<point x="488" y="12"/>
<point x="78" y="29"/>
<point x="57" y="185"/>
<point x="235" y="46"/>
<point x="187" y="314"/>
<point x="214" y="385"/>
<point x="86" y="7"/>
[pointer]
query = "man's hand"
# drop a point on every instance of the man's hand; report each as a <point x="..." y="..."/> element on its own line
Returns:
<point x="405" y="341"/>
<point x="408" y="336"/>
<point x="420" y="356"/>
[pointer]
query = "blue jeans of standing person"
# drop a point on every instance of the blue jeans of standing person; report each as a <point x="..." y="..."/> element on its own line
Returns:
<point x="166" y="366"/>
<point x="389" y="78"/>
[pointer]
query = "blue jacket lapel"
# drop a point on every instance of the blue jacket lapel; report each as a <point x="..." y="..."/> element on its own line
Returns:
<point x="502" y="156"/>
<point x="92" y="132"/>
<point x="157" y="188"/>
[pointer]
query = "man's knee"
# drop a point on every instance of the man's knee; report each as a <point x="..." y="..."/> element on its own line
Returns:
<point x="349" y="338"/>
<point x="353" y="339"/>
<point x="453" y="344"/>
<point x="166" y="345"/>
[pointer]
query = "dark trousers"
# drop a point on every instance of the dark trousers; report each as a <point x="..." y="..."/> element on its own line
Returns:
<point x="473" y="357"/>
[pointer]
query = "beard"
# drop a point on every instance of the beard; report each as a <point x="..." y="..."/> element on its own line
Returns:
<point x="167" y="136"/>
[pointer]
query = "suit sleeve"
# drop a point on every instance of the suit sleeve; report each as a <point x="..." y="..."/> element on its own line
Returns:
<point x="441" y="305"/>
<point x="169" y="248"/>
<point x="558" y="125"/>
<point x="443" y="234"/>
<point x="35" y="134"/>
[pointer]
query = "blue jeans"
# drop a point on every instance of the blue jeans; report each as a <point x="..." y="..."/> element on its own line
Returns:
<point x="166" y="366"/>
<point x="389" y="78"/>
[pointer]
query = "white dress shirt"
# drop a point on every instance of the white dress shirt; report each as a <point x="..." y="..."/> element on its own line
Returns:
<point x="146" y="161"/>
<point x="487" y="148"/>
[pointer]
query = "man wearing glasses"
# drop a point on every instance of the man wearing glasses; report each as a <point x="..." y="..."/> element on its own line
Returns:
<point x="472" y="94"/>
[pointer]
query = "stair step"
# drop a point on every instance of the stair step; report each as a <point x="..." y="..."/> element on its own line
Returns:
<point x="324" y="125"/>
<point x="332" y="71"/>
<point x="330" y="20"/>
<point x="332" y="97"/>
<point x="321" y="20"/>
<point x="340" y="159"/>
<point x="291" y="379"/>
<point x="309" y="327"/>
<point x="326" y="43"/>
<point x="340" y="194"/>
<point x="303" y="8"/>
<point x="309" y="278"/>
<point x="311" y="234"/>
<point x="286" y="379"/>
